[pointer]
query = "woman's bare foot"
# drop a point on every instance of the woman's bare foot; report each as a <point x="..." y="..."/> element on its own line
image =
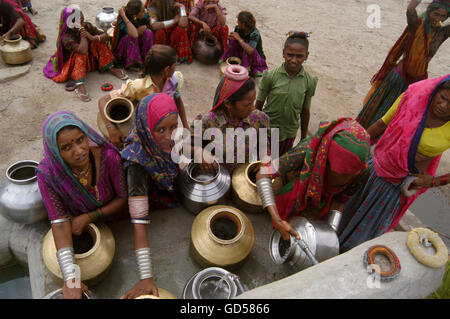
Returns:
<point x="82" y="94"/>
<point x="118" y="73"/>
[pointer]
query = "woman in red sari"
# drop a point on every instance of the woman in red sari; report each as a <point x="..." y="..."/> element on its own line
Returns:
<point x="14" y="21"/>
<point x="81" y="48"/>
<point x="169" y="22"/>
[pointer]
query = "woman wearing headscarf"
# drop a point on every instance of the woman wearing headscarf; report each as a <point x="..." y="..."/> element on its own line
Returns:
<point x="415" y="133"/>
<point x="14" y="21"/>
<point x="159" y="76"/>
<point x="246" y="43"/>
<point x="209" y="17"/>
<point x="81" y="48"/>
<point x="233" y="108"/>
<point x="320" y="173"/>
<point x="132" y="37"/>
<point x="151" y="175"/>
<point x="169" y="21"/>
<point x="81" y="181"/>
<point x="407" y="61"/>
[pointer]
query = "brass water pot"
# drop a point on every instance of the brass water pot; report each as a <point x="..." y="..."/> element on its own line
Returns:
<point x="221" y="236"/>
<point x="163" y="294"/>
<point x="245" y="194"/>
<point x="118" y="111"/>
<point x="93" y="263"/>
<point x="232" y="60"/>
<point x="16" y="51"/>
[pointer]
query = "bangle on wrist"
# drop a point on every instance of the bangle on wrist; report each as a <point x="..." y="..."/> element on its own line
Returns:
<point x="144" y="262"/>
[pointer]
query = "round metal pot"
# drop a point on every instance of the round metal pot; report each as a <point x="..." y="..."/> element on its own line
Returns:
<point x="118" y="111"/>
<point x="57" y="294"/>
<point x="207" y="50"/>
<point x="221" y="236"/>
<point x="245" y="194"/>
<point x="106" y="17"/>
<point x="16" y="51"/>
<point x="213" y="283"/>
<point x="202" y="189"/>
<point x="94" y="256"/>
<point x="163" y="294"/>
<point x="320" y="237"/>
<point x="232" y="60"/>
<point x="20" y="198"/>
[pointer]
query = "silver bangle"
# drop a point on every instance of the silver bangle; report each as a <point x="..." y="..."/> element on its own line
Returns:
<point x="141" y="221"/>
<point x="334" y="218"/>
<point x="168" y="23"/>
<point x="144" y="262"/>
<point x="66" y="260"/>
<point x="60" y="220"/>
<point x="265" y="191"/>
<point x="182" y="11"/>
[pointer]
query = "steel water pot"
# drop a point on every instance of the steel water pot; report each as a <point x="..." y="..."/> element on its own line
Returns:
<point x="319" y="236"/>
<point x="202" y="189"/>
<point x="106" y="17"/>
<point x="213" y="283"/>
<point x="20" y="198"/>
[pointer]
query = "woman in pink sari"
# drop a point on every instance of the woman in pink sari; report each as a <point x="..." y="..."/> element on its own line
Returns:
<point x="416" y="131"/>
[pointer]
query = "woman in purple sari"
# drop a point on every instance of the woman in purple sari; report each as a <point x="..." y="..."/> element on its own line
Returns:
<point x="246" y="43"/>
<point x="132" y="36"/>
<point x="81" y="180"/>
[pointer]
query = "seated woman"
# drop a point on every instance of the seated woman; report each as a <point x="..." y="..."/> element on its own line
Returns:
<point x="416" y="131"/>
<point x="81" y="180"/>
<point x="151" y="176"/>
<point x="320" y="173"/>
<point x="233" y="108"/>
<point x="160" y="76"/>
<point x="246" y="43"/>
<point x="26" y="5"/>
<point x="132" y="36"/>
<point x="209" y="17"/>
<point x="169" y="21"/>
<point x="81" y="48"/>
<point x="14" y="21"/>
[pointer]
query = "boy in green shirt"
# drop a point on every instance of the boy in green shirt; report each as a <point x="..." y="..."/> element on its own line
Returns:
<point x="288" y="90"/>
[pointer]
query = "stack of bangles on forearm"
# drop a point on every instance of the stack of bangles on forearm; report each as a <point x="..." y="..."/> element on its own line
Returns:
<point x="265" y="190"/>
<point x="440" y="181"/>
<point x="138" y="207"/>
<point x="66" y="260"/>
<point x="96" y="214"/>
<point x="144" y="262"/>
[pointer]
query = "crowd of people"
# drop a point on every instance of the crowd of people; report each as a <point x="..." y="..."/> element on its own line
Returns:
<point x="357" y="166"/>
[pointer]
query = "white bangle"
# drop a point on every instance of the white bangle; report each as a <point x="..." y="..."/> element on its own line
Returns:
<point x="183" y="11"/>
<point x="265" y="191"/>
<point x="168" y="23"/>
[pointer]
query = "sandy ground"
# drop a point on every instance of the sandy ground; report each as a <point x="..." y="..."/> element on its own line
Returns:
<point x="344" y="54"/>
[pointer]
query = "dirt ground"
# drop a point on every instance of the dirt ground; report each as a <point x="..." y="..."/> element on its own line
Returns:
<point x="344" y="54"/>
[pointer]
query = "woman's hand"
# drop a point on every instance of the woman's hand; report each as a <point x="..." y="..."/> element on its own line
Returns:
<point x="116" y="137"/>
<point x="86" y="34"/>
<point x="79" y="223"/>
<point x="206" y="28"/>
<point x="235" y="36"/>
<point x="422" y="181"/>
<point x="74" y="293"/>
<point x="206" y="161"/>
<point x="143" y="287"/>
<point x="141" y="29"/>
<point x="285" y="229"/>
<point x="122" y="12"/>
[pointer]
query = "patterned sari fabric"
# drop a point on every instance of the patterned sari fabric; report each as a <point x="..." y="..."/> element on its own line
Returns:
<point x="143" y="149"/>
<point x="209" y="17"/>
<point x="379" y="207"/>
<point x="344" y="144"/>
<point x="175" y="36"/>
<point x="66" y="64"/>
<point x="417" y="46"/>
<point x="128" y="50"/>
<point x="28" y="31"/>
<point x="61" y="191"/>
